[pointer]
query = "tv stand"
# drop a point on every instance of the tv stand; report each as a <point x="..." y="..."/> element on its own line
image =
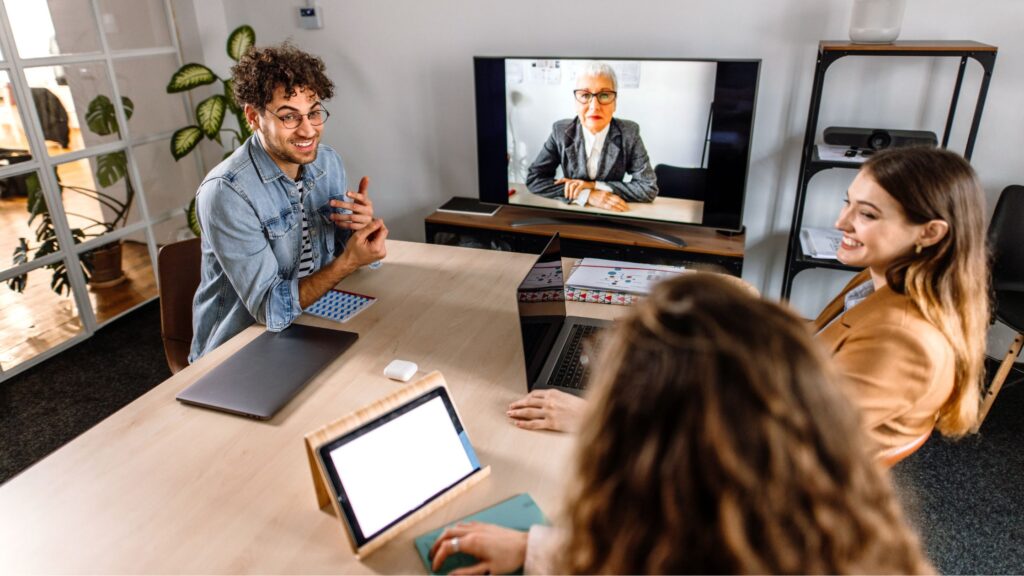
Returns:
<point x="542" y="221"/>
<point x="524" y="229"/>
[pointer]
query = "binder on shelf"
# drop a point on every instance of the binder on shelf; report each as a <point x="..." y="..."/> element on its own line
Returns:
<point x="820" y="243"/>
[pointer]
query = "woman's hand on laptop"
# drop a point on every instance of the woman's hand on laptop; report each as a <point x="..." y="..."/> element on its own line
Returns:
<point x="547" y="410"/>
<point x="499" y="550"/>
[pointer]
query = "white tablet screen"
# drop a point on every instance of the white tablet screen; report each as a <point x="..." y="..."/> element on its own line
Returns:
<point x="395" y="465"/>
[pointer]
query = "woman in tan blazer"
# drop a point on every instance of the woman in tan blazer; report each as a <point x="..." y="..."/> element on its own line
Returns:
<point x="908" y="332"/>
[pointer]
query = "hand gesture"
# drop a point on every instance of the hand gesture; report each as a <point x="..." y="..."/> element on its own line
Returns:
<point x="574" y="187"/>
<point x="361" y="208"/>
<point x="366" y="245"/>
<point x="547" y="410"/>
<point x="499" y="550"/>
<point x="607" y="200"/>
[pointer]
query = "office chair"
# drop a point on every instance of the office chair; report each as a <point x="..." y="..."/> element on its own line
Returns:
<point x="178" y="272"/>
<point x="685" y="183"/>
<point x="1005" y="237"/>
<point x="892" y="456"/>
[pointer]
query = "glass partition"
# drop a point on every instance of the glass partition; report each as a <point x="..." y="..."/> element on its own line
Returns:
<point x="47" y="318"/>
<point x="74" y="105"/>
<point x="52" y="27"/>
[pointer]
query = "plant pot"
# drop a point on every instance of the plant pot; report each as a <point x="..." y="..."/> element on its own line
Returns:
<point x="106" y="266"/>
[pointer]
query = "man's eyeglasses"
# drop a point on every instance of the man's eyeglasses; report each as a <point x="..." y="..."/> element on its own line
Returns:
<point x="603" y="97"/>
<point x="294" y="119"/>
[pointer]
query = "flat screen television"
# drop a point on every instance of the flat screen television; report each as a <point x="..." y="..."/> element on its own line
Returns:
<point x="674" y="137"/>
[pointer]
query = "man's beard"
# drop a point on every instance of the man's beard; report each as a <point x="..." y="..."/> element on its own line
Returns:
<point x="289" y="156"/>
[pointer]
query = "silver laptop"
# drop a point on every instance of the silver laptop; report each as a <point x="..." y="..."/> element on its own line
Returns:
<point x="266" y="373"/>
<point x="554" y="344"/>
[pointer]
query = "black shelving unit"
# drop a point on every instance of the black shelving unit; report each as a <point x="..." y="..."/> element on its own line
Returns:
<point x="811" y="163"/>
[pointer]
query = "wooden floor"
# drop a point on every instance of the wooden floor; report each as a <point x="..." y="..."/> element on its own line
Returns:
<point x="38" y="319"/>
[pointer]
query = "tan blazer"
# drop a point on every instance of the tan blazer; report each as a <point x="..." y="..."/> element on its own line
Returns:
<point x="898" y="368"/>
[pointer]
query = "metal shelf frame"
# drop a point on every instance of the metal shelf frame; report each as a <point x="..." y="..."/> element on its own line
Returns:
<point x="811" y="164"/>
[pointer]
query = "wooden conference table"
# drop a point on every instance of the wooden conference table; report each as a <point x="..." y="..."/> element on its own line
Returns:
<point x="160" y="487"/>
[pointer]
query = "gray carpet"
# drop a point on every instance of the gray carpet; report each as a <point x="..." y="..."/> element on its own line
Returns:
<point x="966" y="498"/>
<point x="48" y="405"/>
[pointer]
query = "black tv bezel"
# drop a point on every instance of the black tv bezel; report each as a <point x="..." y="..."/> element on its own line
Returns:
<point x="719" y="213"/>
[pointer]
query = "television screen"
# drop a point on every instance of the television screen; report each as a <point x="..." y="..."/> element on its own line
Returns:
<point x="665" y="140"/>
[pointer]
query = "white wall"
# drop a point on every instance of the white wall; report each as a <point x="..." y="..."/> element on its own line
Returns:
<point x="404" y="113"/>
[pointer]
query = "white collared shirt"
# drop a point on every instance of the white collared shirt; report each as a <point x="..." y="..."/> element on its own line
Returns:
<point x="594" y="145"/>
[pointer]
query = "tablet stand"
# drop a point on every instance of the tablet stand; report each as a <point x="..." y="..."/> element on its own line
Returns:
<point x="344" y="425"/>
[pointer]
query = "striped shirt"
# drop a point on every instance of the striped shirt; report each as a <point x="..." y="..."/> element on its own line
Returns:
<point x="306" y="257"/>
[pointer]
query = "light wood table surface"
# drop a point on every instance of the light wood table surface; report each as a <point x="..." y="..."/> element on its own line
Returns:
<point x="160" y="487"/>
<point x="662" y="208"/>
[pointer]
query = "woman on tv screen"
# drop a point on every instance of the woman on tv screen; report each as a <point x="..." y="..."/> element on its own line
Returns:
<point x="595" y="151"/>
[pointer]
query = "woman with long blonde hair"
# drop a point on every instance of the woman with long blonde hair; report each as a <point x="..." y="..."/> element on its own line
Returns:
<point x="908" y="332"/>
<point x="715" y="441"/>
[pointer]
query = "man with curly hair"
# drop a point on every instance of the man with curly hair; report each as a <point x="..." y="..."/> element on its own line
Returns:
<point x="279" y="229"/>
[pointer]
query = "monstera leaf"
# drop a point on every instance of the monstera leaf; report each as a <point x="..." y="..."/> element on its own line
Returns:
<point x="102" y="119"/>
<point x="111" y="168"/>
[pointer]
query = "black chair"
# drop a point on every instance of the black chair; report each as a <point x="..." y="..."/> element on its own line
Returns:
<point x="685" y="183"/>
<point x="1006" y="239"/>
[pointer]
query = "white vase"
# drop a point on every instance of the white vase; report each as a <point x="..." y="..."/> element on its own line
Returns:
<point x="876" y="21"/>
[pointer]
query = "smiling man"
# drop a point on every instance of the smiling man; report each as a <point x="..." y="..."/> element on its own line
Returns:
<point x="595" y="150"/>
<point x="279" y="229"/>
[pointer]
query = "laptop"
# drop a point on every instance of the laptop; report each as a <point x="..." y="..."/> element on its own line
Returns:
<point x="553" y="342"/>
<point x="261" y="377"/>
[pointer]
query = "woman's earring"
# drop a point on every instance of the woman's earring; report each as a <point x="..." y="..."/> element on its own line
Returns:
<point x="918" y="248"/>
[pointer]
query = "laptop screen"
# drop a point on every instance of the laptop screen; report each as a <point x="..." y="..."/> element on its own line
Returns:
<point x="541" y="299"/>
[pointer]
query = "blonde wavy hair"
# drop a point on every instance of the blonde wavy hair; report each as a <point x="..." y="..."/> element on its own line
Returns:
<point x="716" y="441"/>
<point x="949" y="281"/>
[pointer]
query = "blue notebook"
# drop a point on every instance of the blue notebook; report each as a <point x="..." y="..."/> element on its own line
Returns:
<point x="518" y="512"/>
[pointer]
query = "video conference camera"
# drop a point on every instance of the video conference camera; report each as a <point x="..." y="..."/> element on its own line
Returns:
<point x="878" y="138"/>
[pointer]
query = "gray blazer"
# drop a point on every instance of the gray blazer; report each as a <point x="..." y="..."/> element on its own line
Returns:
<point x="623" y="153"/>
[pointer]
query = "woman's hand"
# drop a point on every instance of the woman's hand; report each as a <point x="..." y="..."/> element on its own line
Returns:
<point x="547" y="410"/>
<point x="499" y="550"/>
<point x="572" y="188"/>
<point x="607" y="200"/>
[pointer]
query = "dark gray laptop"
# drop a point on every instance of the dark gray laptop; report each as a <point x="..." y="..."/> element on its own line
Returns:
<point x="266" y="373"/>
<point x="553" y="343"/>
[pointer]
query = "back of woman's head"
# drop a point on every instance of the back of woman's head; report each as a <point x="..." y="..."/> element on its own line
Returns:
<point x="716" y="442"/>
<point x="948" y="280"/>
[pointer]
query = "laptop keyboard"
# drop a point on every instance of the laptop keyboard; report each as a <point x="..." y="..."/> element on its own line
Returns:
<point x="570" y="372"/>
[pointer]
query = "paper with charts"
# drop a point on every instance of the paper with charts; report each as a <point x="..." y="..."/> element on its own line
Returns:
<point x="612" y="275"/>
<point x="340" y="305"/>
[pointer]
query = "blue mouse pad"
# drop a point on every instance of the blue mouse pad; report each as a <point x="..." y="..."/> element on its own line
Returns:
<point x="518" y="512"/>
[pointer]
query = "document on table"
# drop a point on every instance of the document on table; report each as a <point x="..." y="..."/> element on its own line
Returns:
<point x="613" y="275"/>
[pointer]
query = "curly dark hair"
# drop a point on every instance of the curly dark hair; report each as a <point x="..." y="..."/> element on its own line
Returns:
<point x="717" y="442"/>
<point x="262" y="69"/>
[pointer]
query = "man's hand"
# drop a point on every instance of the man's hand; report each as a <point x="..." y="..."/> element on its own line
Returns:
<point x="607" y="200"/>
<point x="363" y="247"/>
<point x="499" y="550"/>
<point x="361" y="208"/>
<point x="547" y="410"/>
<point x="574" y="187"/>
<point x="366" y="245"/>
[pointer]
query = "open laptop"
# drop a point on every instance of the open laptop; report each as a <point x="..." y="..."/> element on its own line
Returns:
<point x="262" y="376"/>
<point x="553" y="342"/>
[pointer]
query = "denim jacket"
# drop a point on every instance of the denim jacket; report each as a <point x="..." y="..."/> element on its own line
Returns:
<point x="251" y="222"/>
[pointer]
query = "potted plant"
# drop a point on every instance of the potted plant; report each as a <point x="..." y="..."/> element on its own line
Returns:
<point x="102" y="266"/>
<point x="211" y="111"/>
